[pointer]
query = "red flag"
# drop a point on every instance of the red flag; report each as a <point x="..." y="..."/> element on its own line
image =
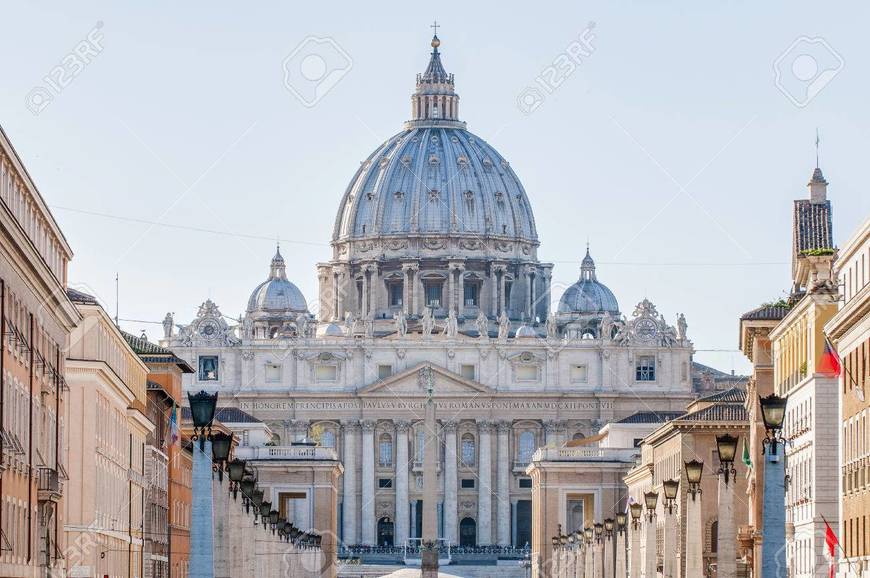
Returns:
<point x="831" y="544"/>
<point x="830" y="364"/>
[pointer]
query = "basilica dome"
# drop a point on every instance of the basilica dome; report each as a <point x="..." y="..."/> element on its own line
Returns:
<point x="588" y="295"/>
<point x="435" y="178"/>
<point x="277" y="295"/>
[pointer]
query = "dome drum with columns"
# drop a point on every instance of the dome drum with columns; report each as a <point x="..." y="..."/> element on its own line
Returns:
<point x="435" y="270"/>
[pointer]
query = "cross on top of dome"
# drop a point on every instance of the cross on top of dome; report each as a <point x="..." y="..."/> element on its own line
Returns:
<point x="434" y="98"/>
<point x="587" y="267"/>
<point x="278" y="270"/>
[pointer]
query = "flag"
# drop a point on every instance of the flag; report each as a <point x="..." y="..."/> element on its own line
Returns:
<point x="746" y="459"/>
<point x="173" y="426"/>
<point x="831" y="544"/>
<point x="830" y="364"/>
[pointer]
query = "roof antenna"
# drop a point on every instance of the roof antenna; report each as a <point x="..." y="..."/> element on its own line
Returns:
<point x="117" y="298"/>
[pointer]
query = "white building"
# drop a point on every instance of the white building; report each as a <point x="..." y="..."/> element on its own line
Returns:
<point x="435" y="264"/>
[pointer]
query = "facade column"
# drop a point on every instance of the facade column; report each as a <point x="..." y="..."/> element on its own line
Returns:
<point x="529" y="296"/>
<point x="349" y="497"/>
<point x="599" y="558"/>
<point x="649" y="551"/>
<point x="589" y="562"/>
<point x="364" y="306"/>
<point x="451" y="285"/>
<point x="406" y="288"/>
<point x="493" y="286"/>
<point x="419" y="293"/>
<point x="726" y="557"/>
<point x="580" y="556"/>
<point x="461" y="292"/>
<point x="402" y="517"/>
<point x="368" y="483"/>
<point x="607" y="554"/>
<point x="621" y="566"/>
<point x="451" y="482"/>
<point x="502" y="304"/>
<point x="484" y="492"/>
<point x="503" y="507"/>
<point x="694" y="537"/>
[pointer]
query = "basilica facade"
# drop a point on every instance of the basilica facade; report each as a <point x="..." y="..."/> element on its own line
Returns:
<point x="435" y="266"/>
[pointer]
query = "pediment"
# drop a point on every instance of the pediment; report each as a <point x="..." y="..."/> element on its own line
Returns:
<point x="409" y="383"/>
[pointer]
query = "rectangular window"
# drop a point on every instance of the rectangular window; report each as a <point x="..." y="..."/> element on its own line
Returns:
<point x="433" y="295"/>
<point x="467" y="483"/>
<point x="467" y="370"/>
<point x="526" y="372"/>
<point x="385" y="483"/>
<point x="273" y="373"/>
<point x="326" y="373"/>
<point x="470" y="294"/>
<point x="208" y="367"/>
<point x="395" y="290"/>
<point x="579" y="374"/>
<point x="645" y="370"/>
<point x="524" y="483"/>
<point x="384" y="371"/>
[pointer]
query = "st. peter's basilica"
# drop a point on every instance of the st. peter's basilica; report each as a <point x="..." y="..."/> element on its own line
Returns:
<point x="435" y="264"/>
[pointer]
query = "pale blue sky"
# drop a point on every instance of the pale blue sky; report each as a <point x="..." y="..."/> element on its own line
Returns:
<point x="183" y="118"/>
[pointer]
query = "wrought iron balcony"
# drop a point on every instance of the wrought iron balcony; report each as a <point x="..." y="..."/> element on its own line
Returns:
<point x="49" y="485"/>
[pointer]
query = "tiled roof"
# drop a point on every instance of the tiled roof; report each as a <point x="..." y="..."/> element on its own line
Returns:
<point x="153" y="353"/>
<point x="80" y="297"/>
<point x="718" y="412"/>
<point x="226" y="415"/>
<point x="651" y="417"/>
<point x="733" y="395"/>
<point x="812" y="228"/>
<point x="766" y="313"/>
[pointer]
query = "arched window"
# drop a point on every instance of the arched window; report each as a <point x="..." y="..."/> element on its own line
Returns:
<point x="527" y="446"/>
<point x="327" y="439"/>
<point x="385" y="445"/>
<point x="578" y="436"/>
<point x="468" y="450"/>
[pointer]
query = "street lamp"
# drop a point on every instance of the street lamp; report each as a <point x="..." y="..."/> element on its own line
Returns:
<point x="236" y="473"/>
<point x="608" y="527"/>
<point x="671" y="488"/>
<point x="727" y="446"/>
<point x="221" y="444"/>
<point x="636" y="509"/>
<point x="599" y="529"/>
<point x="257" y="502"/>
<point x="651" y="499"/>
<point x="773" y="414"/>
<point x="202" y="408"/>
<point x="265" y="508"/>
<point x="694" y="469"/>
<point x="621" y="519"/>
<point x="273" y="519"/>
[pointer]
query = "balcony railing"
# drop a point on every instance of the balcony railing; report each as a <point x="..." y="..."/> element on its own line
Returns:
<point x="49" y="485"/>
<point x="582" y="454"/>
<point x="286" y="453"/>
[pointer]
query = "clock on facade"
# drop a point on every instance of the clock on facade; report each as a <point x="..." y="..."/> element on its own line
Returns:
<point x="646" y="329"/>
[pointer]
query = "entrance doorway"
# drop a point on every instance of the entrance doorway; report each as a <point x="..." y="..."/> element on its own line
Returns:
<point x="385" y="532"/>
<point x="524" y="523"/>
<point x="467" y="532"/>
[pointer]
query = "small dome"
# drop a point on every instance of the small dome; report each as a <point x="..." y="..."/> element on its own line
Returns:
<point x="276" y="294"/>
<point x="332" y="330"/>
<point x="525" y="332"/>
<point x="587" y="295"/>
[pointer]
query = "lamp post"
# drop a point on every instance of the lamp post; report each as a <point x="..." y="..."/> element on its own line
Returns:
<point x="221" y="444"/>
<point x="636" y="509"/>
<point x="202" y="410"/>
<point x="588" y="538"/>
<point x="694" y="528"/>
<point x="607" y="549"/>
<point x="726" y="557"/>
<point x="670" y="546"/>
<point x="773" y="562"/>
<point x="621" y="521"/>
<point x="651" y="500"/>
<point x="236" y="473"/>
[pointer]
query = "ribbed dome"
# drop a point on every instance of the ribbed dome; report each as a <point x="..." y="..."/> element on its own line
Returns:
<point x="276" y="294"/>
<point x="435" y="177"/>
<point x="588" y="295"/>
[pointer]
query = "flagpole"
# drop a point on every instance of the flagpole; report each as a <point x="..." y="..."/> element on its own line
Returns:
<point x="840" y="546"/>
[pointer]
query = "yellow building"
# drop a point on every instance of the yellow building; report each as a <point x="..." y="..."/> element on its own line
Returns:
<point x="107" y="433"/>
<point x="35" y="320"/>
<point x="799" y="373"/>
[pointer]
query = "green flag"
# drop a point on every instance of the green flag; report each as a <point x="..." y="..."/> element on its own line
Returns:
<point x="746" y="459"/>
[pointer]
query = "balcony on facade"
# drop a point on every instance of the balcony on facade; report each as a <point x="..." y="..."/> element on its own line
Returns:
<point x="301" y="452"/>
<point x="584" y="454"/>
<point x="49" y="485"/>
